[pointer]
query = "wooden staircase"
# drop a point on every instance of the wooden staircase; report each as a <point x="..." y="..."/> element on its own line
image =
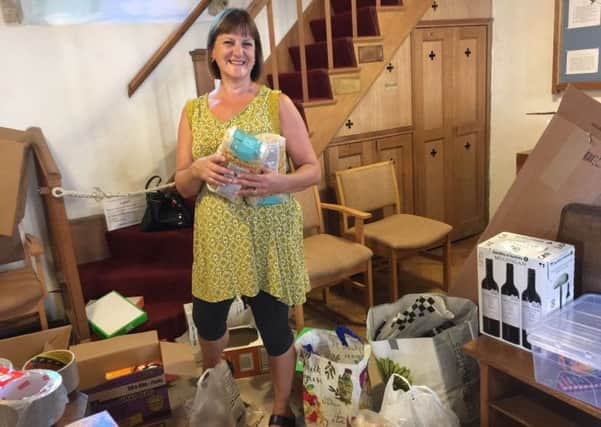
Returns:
<point x="333" y="92"/>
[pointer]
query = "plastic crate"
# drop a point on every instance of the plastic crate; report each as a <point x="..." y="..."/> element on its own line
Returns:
<point x="566" y="349"/>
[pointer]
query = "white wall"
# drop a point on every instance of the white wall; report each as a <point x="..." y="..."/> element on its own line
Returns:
<point x="522" y="63"/>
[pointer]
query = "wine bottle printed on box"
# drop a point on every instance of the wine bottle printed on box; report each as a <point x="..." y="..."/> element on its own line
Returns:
<point x="531" y="307"/>
<point x="510" y="308"/>
<point x="490" y="302"/>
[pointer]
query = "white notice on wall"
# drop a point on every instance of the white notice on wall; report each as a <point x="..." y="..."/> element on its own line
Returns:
<point x="584" y="13"/>
<point x="582" y="61"/>
<point x="121" y="212"/>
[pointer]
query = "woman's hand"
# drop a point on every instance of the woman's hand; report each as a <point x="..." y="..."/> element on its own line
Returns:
<point x="211" y="169"/>
<point x="263" y="184"/>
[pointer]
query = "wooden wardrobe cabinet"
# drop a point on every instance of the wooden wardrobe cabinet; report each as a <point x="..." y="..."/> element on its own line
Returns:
<point x="450" y="96"/>
<point x="393" y="145"/>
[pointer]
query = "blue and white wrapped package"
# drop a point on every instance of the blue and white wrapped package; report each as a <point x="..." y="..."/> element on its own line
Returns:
<point x="244" y="153"/>
<point x="275" y="161"/>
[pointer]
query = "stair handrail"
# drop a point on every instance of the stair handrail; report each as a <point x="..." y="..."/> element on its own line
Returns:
<point x="61" y="240"/>
<point x="166" y="47"/>
<point x="253" y="9"/>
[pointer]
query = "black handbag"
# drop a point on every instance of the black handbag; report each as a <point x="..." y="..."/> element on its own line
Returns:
<point x="165" y="210"/>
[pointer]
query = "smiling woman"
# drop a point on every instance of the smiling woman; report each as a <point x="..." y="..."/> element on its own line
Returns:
<point x="241" y="249"/>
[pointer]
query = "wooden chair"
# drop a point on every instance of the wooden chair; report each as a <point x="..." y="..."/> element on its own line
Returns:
<point x="330" y="259"/>
<point x="374" y="187"/>
<point x="22" y="290"/>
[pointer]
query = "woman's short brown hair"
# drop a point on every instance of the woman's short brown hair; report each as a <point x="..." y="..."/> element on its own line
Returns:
<point x="235" y="21"/>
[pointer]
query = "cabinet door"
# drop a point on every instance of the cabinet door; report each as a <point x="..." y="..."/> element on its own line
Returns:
<point x="468" y="154"/>
<point x="450" y="97"/>
<point x="432" y="80"/>
<point x="399" y="149"/>
<point x="345" y="156"/>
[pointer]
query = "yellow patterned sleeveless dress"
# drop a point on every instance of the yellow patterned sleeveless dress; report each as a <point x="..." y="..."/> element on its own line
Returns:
<point x="240" y="249"/>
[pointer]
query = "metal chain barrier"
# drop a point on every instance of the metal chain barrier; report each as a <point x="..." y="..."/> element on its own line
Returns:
<point x="98" y="194"/>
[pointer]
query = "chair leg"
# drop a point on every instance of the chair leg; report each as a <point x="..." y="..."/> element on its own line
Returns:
<point x="42" y="314"/>
<point x="394" y="277"/>
<point x="326" y="295"/>
<point x="370" y="285"/>
<point x="446" y="264"/>
<point x="299" y="317"/>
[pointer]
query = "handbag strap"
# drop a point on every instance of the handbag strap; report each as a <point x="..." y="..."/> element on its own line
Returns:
<point x="152" y="178"/>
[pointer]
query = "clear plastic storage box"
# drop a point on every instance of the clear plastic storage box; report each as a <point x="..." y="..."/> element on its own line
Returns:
<point x="566" y="347"/>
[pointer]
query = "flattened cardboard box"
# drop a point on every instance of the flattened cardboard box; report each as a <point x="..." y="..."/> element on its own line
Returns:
<point x="13" y="157"/>
<point x="564" y="167"/>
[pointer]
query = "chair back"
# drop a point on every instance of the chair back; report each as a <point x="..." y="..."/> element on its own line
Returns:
<point x="11" y="249"/>
<point x="312" y="216"/>
<point x="368" y="188"/>
<point x="580" y="225"/>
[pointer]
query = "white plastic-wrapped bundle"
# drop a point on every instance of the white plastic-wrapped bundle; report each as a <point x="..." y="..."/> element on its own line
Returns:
<point x="275" y="161"/>
<point x="244" y="153"/>
<point x="247" y="153"/>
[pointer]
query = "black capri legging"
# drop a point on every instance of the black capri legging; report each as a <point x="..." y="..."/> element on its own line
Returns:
<point x="271" y="317"/>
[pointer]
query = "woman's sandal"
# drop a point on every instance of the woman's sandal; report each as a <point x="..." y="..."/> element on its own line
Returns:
<point x="282" y="421"/>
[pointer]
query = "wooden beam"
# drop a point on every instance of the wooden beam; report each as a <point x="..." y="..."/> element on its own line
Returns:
<point x="166" y="47"/>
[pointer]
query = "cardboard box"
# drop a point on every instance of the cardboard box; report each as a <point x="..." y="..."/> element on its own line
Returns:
<point x="245" y="352"/>
<point x="137" y="301"/>
<point x="564" y="167"/>
<point x="137" y="408"/>
<point x="114" y="315"/>
<point x="522" y="279"/>
<point x="13" y="164"/>
<point x="132" y="397"/>
<point x="23" y="347"/>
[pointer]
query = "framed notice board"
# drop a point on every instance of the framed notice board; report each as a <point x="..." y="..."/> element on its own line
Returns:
<point x="577" y="44"/>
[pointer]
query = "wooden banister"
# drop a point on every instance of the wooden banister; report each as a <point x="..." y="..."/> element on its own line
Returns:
<point x="166" y="47"/>
<point x="328" y="14"/>
<point x="301" y="45"/>
<point x="256" y="6"/>
<point x="273" y="46"/>
<point x="61" y="239"/>
<point x="253" y="9"/>
<point x="354" y="18"/>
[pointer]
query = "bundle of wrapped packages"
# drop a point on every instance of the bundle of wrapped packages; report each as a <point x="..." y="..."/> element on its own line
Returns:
<point x="247" y="153"/>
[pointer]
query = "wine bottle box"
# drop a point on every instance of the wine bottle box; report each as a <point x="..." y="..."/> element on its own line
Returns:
<point x="521" y="279"/>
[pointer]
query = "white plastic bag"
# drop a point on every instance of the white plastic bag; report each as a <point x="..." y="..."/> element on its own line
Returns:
<point x="367" y="418"/>
<point x="418" y="407"/>
<point x="217" y="402"/>
<point x="438" y="361"/>
<point x="240" y="314"/>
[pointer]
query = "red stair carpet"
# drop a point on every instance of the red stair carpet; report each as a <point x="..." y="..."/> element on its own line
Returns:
<point x="343" y="49"/>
